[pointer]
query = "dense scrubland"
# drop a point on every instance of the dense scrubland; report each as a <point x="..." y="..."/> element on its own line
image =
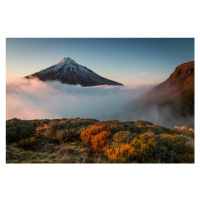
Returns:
<point x="92" y="141"/>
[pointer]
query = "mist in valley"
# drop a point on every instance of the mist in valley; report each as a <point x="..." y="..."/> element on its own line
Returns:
<point x="34" y="99"/>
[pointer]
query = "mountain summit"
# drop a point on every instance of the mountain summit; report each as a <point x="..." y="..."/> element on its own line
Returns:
<point x="69" y="72"/>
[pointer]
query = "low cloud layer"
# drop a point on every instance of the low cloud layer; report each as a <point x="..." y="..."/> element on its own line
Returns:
<point x="34" y="99"/>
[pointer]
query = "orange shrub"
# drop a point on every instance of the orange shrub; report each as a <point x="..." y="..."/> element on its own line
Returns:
<point x="91" y="131"/>
<point x="98" y="141"/>
<point x="95" y="136"/>
<point x="125" y="153"/>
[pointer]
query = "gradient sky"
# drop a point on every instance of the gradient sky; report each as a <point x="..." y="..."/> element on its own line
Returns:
<point x="127" y="60"/>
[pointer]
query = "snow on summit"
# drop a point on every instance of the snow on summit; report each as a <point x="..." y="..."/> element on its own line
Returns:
<point x="69" y="72"/>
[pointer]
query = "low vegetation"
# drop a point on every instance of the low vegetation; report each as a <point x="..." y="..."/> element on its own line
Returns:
<point x="92" y="141"/>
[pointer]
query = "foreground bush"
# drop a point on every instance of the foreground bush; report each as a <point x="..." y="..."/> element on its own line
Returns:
<point x="122" y="137"/>
<point x="141" y="149"/>
<point x="67" y="135"/>
<point x="98" y="141"/>
<point x="19" y="130"/>
<point x="172" y="142"/>
<point x="51" y="130"/>
<point x="95" y="136"/>
<point x="145" y="146"/>
<point x="171" y="149"/>
<point x="29" y="144"/>
<point x="123" y="154"/>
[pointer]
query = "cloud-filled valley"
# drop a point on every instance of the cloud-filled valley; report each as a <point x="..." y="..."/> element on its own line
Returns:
<point x="34" y="99"/>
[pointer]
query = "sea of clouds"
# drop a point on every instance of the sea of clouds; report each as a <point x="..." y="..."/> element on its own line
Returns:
<point x="34" y="99"/>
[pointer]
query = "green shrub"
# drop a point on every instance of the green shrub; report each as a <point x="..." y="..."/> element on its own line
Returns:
<point x="172" y="142"/>
<point x="29" y="144"/>
<point x="142" y="123"/>
<point x="88" y="160"/>
<point x="171" y="148"/>
<point x="68" y="135"/>
<point x="165" y="155"/>
<point x="34" y="123"/>
<point x="122" y="137"/>
<point x="145" y="146"/>
<point x="51" y="130"/>
<point x="19" y="130"/>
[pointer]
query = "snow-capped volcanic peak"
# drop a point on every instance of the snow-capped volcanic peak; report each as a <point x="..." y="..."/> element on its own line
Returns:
<point x="70" y="72"/>
<point x="66" y="60"/>
<point x="67" y="64"/>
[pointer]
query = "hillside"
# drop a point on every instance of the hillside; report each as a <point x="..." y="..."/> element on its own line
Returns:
<point x="170" y="103"/>
<point x="92" y="141"/>
<point x="177" y="91"/>
<point x="67" y="71"/>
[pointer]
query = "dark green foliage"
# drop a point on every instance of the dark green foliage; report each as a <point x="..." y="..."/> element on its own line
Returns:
<point x="88" y="160"/>
<point x="115" y="126"/>
<point x="18" y="129"/>
<point x="67" y="130"/>
<point x="29" y="144"/>
<point x="68" y="135"/>
<point x="71" y="124"/>
<point x="142" y="123"/>
<point x="165" y="155"/>
<point x="45" y="121"/>
<point x="155" y="129"/>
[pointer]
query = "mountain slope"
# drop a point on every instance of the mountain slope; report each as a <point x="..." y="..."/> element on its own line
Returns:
<point x="177" y="91"/>
<point x="70" y="72"/>
<point x="169" y="103"/>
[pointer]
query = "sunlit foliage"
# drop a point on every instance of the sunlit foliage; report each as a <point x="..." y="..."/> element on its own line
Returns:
<point x="95" y="136"/>
<point x="51" y="130"/>
<point x="123" y="154"/>
<point x="92" y="141"/>
<point x="122" y="137"/>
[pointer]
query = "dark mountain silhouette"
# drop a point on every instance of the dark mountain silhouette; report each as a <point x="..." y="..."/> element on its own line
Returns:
<point x="69" y="72"/>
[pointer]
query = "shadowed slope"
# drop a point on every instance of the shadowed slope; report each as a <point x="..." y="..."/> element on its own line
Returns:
<point x="176" y="92"/>
<point x="170" y="103"/>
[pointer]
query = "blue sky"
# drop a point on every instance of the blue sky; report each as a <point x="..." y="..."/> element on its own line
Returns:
<point x="127" y="60"/>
